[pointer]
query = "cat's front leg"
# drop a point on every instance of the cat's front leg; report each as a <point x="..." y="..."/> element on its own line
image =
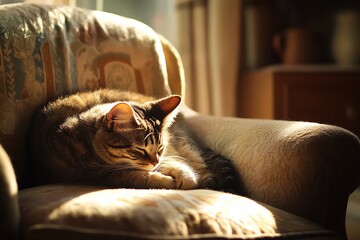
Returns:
<point x="138" y="179"/>
<point x="159" y="180"/>
<point x="184" y="177"/>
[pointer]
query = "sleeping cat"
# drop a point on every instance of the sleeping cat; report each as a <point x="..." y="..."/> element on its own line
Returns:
<point x="122" y="139"/>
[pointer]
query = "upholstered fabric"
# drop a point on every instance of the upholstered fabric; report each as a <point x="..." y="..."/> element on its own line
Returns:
<point x="308" y="169"/>
<point x="47" y="51"/>
<point x="159" y="213"/>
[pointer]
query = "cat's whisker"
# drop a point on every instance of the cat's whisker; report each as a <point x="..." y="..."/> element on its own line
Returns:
<point x="175" y="132"/>
<point x="148" y="135"/>
<point x="182" y="138"/>
<point x="172" y="157"/>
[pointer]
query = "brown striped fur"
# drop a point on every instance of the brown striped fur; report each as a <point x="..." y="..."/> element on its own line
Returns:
<point x="122" y="139"/>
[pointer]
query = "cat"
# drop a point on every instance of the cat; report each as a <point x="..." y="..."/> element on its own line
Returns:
<point x="122" y="139"/>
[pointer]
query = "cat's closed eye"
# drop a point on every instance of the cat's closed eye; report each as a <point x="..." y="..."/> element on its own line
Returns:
<point x="138" y="153"/>
<point x="117" y="145"/>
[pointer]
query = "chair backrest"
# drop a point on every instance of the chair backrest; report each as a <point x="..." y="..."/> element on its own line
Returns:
<point x="47" y="51"/>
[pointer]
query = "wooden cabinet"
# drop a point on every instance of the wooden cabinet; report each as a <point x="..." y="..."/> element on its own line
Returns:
<point x="319" y="93"/>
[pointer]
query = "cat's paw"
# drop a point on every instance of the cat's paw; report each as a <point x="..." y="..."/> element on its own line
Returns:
<point x="186" y="181"/>
<point x="183" y="176"/>
<point x="159" y="180"/>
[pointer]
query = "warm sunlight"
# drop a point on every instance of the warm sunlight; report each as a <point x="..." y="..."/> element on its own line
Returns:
<point x="151" y="211"/>
<point x="296" y="127"/>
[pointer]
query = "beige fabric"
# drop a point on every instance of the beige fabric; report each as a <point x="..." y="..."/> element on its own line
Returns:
<point x="175" y="70"/>
<point x="158" y="213"/>
<point x="308" y="169"/>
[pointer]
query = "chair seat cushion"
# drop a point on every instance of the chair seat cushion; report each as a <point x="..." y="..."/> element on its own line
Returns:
<point x="86" y="212"/>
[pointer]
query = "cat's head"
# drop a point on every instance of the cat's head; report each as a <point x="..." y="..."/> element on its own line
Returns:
<point x="133" y="134"/>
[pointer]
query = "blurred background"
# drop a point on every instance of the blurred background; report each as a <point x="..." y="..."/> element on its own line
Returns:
<point x="206" y="33"/>
<point x="224" y="42"/>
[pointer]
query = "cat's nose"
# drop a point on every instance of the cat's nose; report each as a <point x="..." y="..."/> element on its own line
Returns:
<point x="154" y="159"/>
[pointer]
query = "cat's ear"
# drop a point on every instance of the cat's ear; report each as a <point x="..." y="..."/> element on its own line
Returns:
<point x="166" y="108"/>
<point x="122" y="115"/>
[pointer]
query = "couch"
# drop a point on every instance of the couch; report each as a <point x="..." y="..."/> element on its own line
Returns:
<point x="296" y="176"/>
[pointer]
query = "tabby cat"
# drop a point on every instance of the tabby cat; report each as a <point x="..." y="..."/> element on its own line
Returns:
<point x="122" y="139"/>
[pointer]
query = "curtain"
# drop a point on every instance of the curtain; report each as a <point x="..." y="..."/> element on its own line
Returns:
<point x="209" y="43"/>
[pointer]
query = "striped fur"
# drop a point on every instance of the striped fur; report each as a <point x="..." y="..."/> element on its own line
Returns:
<point x="122" y="139"/>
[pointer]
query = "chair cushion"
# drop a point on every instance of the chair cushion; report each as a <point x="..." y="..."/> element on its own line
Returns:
<point x="95" y="213"/>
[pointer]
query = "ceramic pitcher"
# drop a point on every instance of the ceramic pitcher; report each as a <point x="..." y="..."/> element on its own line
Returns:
<point x="296" y="46"/>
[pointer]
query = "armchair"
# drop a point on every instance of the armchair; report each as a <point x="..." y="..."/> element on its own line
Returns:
<point x="297" y="176"/>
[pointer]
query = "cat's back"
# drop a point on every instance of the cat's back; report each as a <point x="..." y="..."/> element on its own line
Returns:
<point x="74" y="104"/>
<point x="47" y="121"/>
<point x="83" y="101"/>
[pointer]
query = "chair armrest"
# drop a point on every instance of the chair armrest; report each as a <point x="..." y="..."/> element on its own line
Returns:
<point x="308" y="169"/>
<point x="9" y="207"/>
